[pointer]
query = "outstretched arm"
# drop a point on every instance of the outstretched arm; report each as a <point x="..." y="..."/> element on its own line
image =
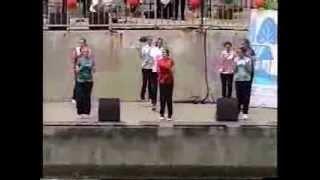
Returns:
<point x="173" y="69"/>
<point x="235" y="65"/>
<point x="73" y="61"/>
<point x="220" y="61"/>
<point x="93" y="66"/>
<point x="77" y="68"/>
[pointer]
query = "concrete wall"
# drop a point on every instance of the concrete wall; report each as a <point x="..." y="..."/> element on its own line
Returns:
<point x="118" y="62"/>
<point x="228" y="151"/>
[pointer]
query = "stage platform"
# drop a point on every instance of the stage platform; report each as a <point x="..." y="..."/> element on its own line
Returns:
<point x="143" y="147"/>
<point x="140" y="114"/>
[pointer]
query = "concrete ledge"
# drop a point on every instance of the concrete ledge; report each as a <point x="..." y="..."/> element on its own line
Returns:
<point x="158" y="172"/>
<point x="164" y="123"/>
<point x="138" y="151"/>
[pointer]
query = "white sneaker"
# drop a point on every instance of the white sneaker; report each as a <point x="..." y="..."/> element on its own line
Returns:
<point x="240" y="117"/>
<point x="245" y="117"/>
<point x="161" y="118"/>
<point x="80" y="116"/>
<point x="86" y="116"/>
<point x="73" y="101"/>
<point x="169" y="119"/>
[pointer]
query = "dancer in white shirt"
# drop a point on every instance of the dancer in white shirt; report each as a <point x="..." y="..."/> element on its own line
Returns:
<point x="156" y="54"/>
<point x="147" y="64"/>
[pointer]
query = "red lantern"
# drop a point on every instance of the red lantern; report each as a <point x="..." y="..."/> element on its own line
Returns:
<point x="195" y="4"/>
<point x="133" y="3"/>
<point x="260" y="3"/>
<point x="72" y="4"/>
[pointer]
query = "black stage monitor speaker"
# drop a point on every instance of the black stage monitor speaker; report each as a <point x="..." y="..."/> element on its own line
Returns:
<point x="109" y="109"/>
<point x="227" y="109"/>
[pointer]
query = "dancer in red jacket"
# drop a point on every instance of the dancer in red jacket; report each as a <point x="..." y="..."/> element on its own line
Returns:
<point x="166" y="81"/>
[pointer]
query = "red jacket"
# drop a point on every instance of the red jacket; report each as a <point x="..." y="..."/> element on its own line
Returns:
<point x="165" y="74"/>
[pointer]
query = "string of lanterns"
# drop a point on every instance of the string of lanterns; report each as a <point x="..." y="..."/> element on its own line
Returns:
<point x="132" y="3"/>
<point x="72" y="4"/>
<point x="260" y="3"/>
<point x="194" y="4"/>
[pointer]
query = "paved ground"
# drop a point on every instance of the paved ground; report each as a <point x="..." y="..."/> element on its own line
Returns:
<point x="137" y="113"/>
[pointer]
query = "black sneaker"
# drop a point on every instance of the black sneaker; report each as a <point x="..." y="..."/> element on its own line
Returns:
<point x="153" y="107"/>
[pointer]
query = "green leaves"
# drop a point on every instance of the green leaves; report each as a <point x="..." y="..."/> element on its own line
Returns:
<point x="271" y="4"/>
<point x="228" y="1"/>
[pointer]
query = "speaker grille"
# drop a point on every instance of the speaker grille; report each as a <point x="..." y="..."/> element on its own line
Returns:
<point x="109" y="109"/>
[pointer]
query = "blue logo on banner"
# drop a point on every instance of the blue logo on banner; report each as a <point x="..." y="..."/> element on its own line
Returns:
<point x="263" y="52"/>
<point x="267" y="32"/>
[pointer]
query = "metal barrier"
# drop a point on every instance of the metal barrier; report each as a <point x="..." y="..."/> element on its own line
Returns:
<point x="108" y="14"/>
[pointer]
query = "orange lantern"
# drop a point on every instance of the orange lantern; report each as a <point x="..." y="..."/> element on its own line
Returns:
<point x="260" y="3"/>
<point x="72" y="4"/>
<point x="195" y="4"/>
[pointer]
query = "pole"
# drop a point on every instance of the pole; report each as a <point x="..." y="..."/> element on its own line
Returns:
<point x="202" y="12"/>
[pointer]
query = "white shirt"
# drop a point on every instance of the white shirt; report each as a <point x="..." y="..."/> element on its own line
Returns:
<point x="156" y="54"/>
<point x="147" y="60"/>
<point x="242" y="61"/>
<point x="165" y="2"/>
<point x="78" y="51"/>
<point x="95" y="2"/>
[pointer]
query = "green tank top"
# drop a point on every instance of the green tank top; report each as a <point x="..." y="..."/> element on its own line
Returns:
<point x="85" y="65"/>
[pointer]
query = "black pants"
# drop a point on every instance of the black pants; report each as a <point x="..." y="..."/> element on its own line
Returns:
<point x="171" y="9"/>
<point x="226" y="84"/>
<point x="154" y="87"/>
<point x="75" y="85"/>
<point x="83" y="96"/>
<point x="166" y="91"/>
<point x="243" y="94"/>
<point x="146" y="80"/>
<point x="176" y="8"/>
<point x="164" y="11"/>
<point x="251" y="82"/>
<point x="86" y="5"/>
<point x="74" y="88"/>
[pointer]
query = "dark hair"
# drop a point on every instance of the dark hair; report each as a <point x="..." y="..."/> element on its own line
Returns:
<point x="84" y="40"/>
<point x="226" y="43"/>
<point x="243" y="50"/>
<point x="144" y="39"/>
<point x="149" y="40"/>
<point x="246" y="41"/>
<point x="166" y="50"/>
<point x="161" y="42"/>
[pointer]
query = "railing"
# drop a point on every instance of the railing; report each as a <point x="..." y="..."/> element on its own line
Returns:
<point x="109" y="14"/>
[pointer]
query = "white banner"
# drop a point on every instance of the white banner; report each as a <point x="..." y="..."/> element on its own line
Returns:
<point x="263" y="37"/>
